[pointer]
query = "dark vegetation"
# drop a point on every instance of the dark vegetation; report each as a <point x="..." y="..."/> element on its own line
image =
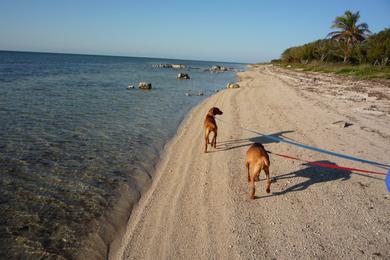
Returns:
<point x="352" y="49"/>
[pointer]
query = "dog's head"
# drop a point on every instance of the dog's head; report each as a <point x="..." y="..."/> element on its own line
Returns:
<point x="215" y="111"/>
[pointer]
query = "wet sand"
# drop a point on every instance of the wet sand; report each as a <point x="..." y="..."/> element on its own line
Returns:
<point x="198" y="206"/>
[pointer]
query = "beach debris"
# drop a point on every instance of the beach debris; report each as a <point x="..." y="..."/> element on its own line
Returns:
<point x="130" y="86"/>
<point x="172" y="66"/>
<point x="232" y="85"/>
<point x="342" y="124"/>
<point x="145" y="85"/>
<point x="183" y="76"/>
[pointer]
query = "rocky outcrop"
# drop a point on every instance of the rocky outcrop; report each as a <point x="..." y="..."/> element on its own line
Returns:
<point x="178" y="66"/>
<point x="232" y="85"/>
<point x="172" y="66"/>
<point x="145" y="85"/>
<point x="217" y="68"/>
<point x="183" y="76"/>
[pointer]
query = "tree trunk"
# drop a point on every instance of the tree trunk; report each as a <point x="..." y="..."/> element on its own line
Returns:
<point x="346" y="53"/>
<point x="346" y="50"/>
<point x="384" y="61"/>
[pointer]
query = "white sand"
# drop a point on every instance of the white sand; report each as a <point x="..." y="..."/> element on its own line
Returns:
<point x="198" y="206"/>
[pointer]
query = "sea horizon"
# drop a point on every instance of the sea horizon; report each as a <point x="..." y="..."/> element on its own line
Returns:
<point x="127" y="56"/>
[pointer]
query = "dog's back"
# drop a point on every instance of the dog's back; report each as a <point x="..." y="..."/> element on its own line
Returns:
<point x="209" y="123"/>
<point x="256" y="154"/>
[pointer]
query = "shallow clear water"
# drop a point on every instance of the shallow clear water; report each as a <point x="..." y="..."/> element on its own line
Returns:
<point x="72" y="136"/>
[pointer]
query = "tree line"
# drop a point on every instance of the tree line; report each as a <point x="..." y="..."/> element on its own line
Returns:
<point x="351" y="43"/>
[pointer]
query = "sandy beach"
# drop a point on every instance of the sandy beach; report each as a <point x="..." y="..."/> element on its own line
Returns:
<point x="198" y="206"/>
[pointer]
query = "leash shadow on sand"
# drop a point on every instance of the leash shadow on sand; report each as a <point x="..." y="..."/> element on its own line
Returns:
<point x="238" y="143"/>
<point x="313" y="175"/>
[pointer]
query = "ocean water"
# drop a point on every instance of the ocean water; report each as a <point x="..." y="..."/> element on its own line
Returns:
<point x="77" y="149"/>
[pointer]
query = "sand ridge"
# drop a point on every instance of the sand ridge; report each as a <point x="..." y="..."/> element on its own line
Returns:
<point x="198" y="205"/>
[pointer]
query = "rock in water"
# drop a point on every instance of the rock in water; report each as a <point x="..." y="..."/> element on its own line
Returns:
<point x="145" y="85"/>
<point x="218" y="68"/>
<point x="130" y="86"/>
<point x="173" y="66"/>
<point x="178" y="66"/>
<point x="183" y="76"/>
<point x="215" y="68"/>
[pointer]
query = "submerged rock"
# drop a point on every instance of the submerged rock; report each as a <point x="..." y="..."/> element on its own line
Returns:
<point x="232" y="85"/>
<point x="145" y="85"/>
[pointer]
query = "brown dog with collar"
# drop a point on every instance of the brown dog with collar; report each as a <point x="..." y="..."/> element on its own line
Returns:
<point x="211" y="126"/>
<point x="257" y="159"/>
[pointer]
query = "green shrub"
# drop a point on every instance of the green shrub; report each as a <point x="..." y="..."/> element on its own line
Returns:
<point x="375" y="50"/>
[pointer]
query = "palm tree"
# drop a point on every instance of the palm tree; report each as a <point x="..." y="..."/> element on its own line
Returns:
<point x="349" y="32"/>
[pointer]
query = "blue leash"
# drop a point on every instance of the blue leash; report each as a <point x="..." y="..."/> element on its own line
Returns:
<point x="278" y="139"/>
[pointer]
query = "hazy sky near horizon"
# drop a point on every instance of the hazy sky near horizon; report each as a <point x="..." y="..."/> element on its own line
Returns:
<point x="242" y="31"/>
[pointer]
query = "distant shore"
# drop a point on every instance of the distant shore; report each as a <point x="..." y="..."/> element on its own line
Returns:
<point x="198" y="206"/>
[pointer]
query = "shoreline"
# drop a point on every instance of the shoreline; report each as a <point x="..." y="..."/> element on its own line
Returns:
<point x="196" y="199"/>
<point x="163" y="158"/>
<point x="117" y="245"/>
<point x="112" y="226"/>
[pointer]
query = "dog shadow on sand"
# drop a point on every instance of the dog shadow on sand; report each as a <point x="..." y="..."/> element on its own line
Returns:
<point x="312" y="175"/>
<point x="233" y="144"/>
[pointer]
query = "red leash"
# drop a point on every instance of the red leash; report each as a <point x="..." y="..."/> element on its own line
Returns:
<point x="327" y="165"/>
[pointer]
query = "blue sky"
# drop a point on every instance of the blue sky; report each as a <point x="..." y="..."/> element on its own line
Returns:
<point x="242" y="31"/>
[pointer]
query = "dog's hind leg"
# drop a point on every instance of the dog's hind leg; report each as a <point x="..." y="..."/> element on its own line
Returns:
<point x="247" y="169"/>
<point x="206" y="139"/>
<point x="254" y="174"/>
<point x="252" y="188"/>
<point x="215" y="139"/>
<point x="268" y="181"/>
<point x="257" y="173"/>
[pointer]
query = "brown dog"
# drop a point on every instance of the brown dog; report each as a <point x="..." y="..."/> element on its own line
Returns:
<point x="256" y="160"/>
<point x="211" y="126"/>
